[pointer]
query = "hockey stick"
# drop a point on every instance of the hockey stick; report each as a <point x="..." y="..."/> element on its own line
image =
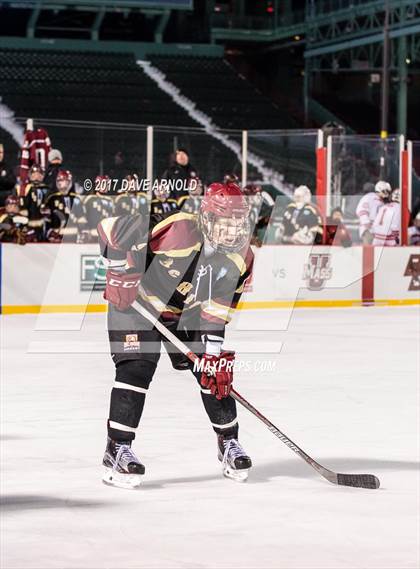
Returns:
<point x="356" y="480"/>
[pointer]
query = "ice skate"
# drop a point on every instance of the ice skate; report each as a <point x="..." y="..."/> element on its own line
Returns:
<point x="235" y="462"/>
<point x="121" y="466"/>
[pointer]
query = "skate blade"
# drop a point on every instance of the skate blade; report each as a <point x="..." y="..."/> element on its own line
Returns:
<point x="113" y="478"/>
<point x="236" y="475"/>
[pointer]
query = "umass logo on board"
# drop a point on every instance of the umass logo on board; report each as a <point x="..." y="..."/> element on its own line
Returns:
<point x="317" y="270"/>
<point x="413" y="270"/>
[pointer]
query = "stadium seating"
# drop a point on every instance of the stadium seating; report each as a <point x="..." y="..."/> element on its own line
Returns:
<point x="101" y="87"/>
<point x="51" y="86"/>
<point x="220" y="92"/>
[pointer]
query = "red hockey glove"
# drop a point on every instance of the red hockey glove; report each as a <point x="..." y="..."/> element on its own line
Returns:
<point x="121" y="288"/>
<point x="217" y="373"/>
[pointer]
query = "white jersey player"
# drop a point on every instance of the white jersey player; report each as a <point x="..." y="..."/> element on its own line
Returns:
<point x="368" y="207"/>
<point x="414" y="231"/>
<point x="387" y="224"/>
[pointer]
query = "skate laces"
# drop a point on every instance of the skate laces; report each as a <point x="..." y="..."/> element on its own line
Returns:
<point x="124" y="455"/>
<point x="232" y="450"/>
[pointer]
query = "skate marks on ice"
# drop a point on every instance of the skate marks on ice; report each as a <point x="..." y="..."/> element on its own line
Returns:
<point x="23" y="502"/>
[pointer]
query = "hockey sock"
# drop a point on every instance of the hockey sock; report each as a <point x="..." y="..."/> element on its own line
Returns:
<point x="127" y="398"/>
<point x="222" y="414"/>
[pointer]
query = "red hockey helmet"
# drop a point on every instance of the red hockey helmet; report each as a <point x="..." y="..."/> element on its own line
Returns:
<point x="224" y="217"/>
<point x="11" y="204"/>
<point x="64" y="181"/>
<point x="252" y="190"/>
<point x="102" y="184"/>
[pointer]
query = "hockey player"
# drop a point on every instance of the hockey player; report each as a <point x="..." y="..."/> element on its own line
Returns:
<point x="387" y="223"/>
<point x="98" y="205"/>
<point x="14" y="225"/>
<point x="192" y="271"/>
<point x="162" y="203"/>
<point x="261" y="205"/>
<point x="336" y="232"/>
<point x="31" y="198"/>
<point x="301" y="222"/>
<point x="65" y="210"/>
<point x="414" y="231"/>
<point x="368" y="207"/>
<point x="191" y="202"/>
<point x="130" y="201"/>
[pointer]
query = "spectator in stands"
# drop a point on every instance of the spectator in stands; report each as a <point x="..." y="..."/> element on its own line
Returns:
<point x="119" y="169"/>
<point x="7" y="178"/>
<point x="414" y="231"/>
<point x="181" y="169"/>
<point x="55" y="164"/>
<point x="336" y="232"/>
<point x="13" y="225"/>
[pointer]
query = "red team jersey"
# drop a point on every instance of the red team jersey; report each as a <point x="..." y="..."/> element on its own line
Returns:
<point x="35" y="149"/>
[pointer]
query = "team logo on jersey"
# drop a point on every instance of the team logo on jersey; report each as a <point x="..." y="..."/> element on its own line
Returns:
<point x="167" y="263"/>
<point x="184" y="288"/>
<point x="174" y="273"/>
<point x="413" y="270"/>
<point x="317" y="270"/>
<point x="131" y="343"/>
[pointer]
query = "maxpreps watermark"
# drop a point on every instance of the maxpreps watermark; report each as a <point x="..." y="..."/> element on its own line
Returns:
<point x="113" y="185"/>
<point x="229" y="366"/>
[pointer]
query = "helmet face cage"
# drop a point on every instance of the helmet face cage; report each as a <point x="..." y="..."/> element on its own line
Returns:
<point x="225" y="234"/>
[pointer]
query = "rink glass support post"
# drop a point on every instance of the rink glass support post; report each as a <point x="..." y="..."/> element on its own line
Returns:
<point x="405" y="188"/>
<point x="321" y="189"/>
<point x="149" y="157"/>
<point x="244" y="157"/>
<point x="368" y="283"/>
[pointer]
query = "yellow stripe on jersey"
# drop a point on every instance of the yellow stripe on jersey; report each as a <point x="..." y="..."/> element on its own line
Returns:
<point x="175" y="217"/>
<point x="158" y="304"/>
<point x="218" y="310"/>
<point x="182" y="199"/>
<point x="238" y="260"/>
<point x="179" y="252"/>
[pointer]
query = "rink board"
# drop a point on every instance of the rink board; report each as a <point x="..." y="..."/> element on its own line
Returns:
<point x="70" y="278"/>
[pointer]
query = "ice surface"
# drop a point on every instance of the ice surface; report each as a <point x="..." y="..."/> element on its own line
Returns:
<point x="345" y="387"/>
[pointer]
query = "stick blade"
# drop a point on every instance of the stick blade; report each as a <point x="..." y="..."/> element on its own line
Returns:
<point x="358" y="480"/>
